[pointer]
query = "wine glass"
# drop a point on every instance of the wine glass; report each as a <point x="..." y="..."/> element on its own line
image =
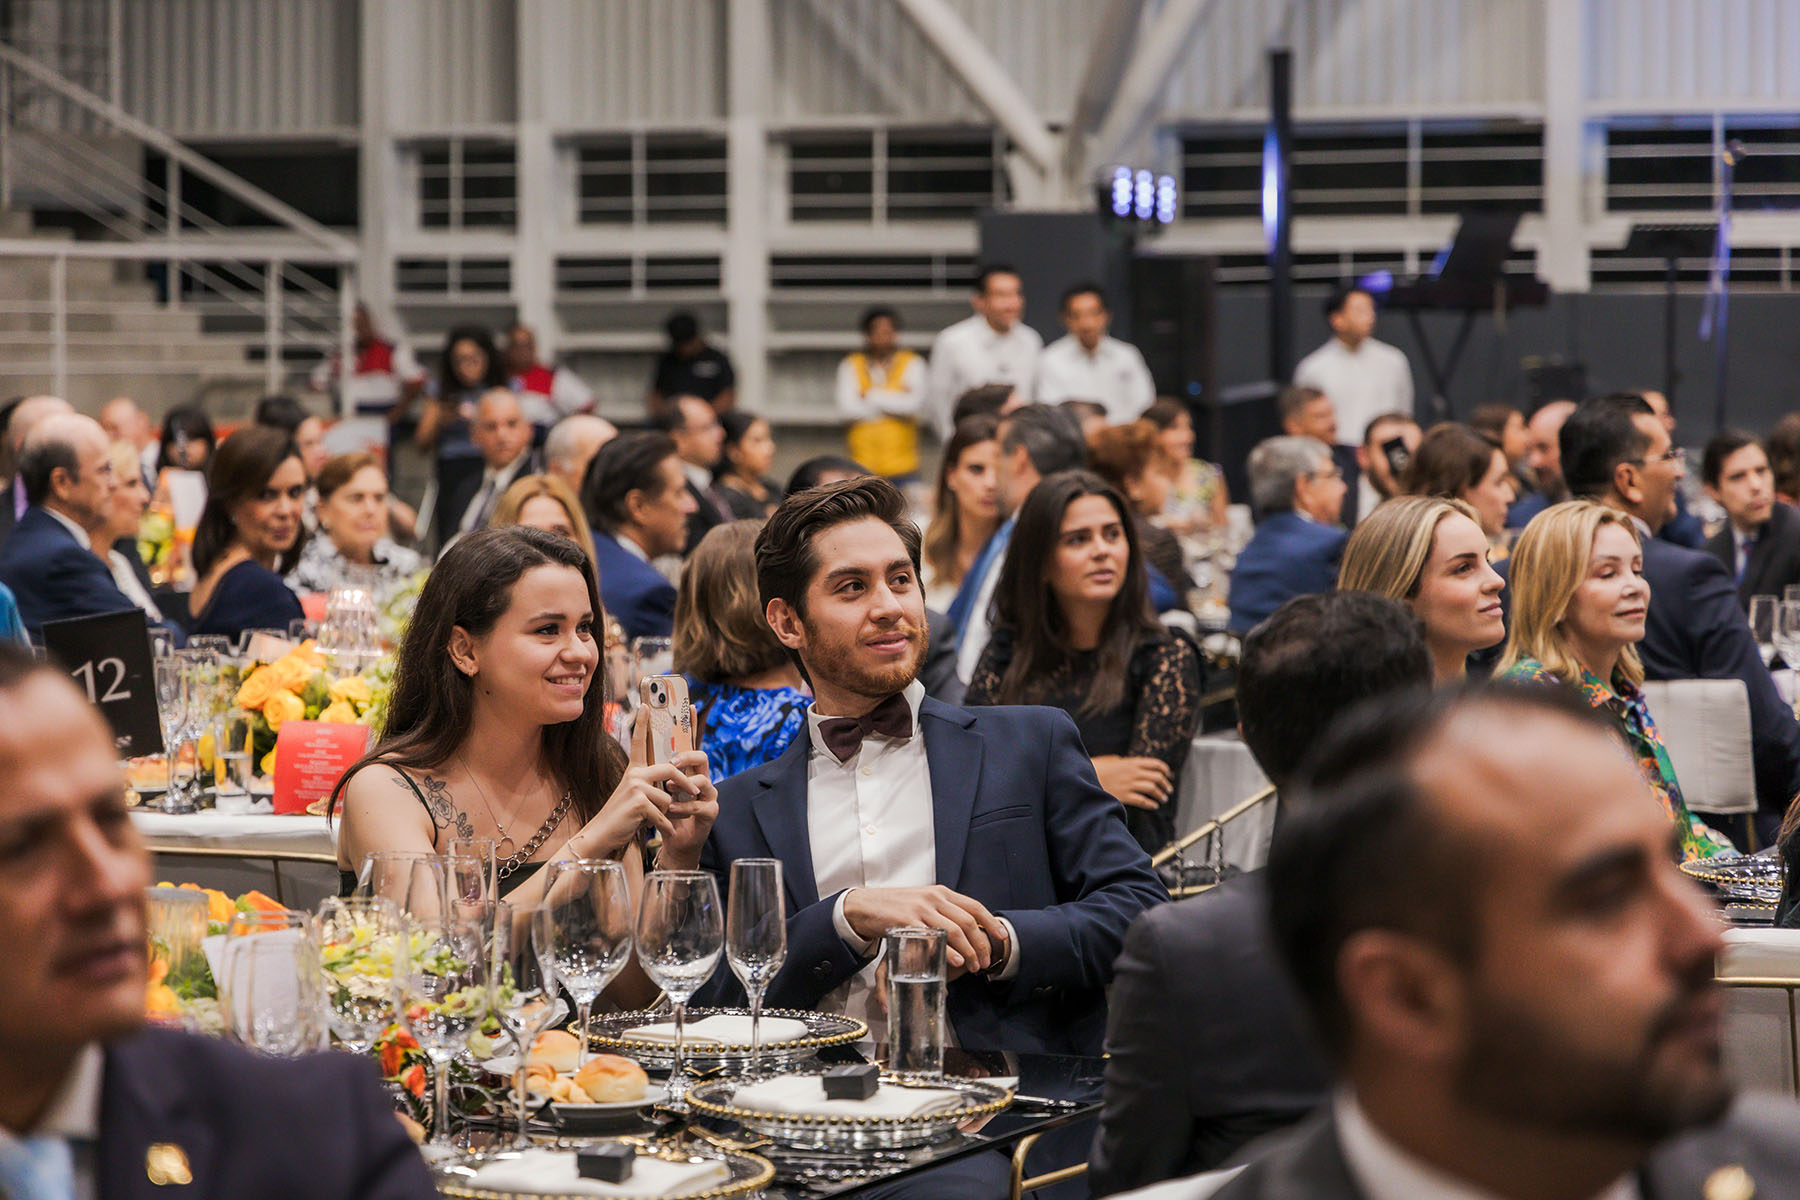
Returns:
<point x="524" y="983"/>
<point x="680" y="935"/>
<point x="756" y="934"/>
<point x="360" y="941"/>
<point x="445" y="996"/>
<point x="270" y="991"/>
<point x="419" y="883"/>
<point x="1762" y="626"/>
<point x="587" y="921"/>
<point x="1787" y="631"/>
<point x="471" y="868"/>
<point x="171" y="715"/>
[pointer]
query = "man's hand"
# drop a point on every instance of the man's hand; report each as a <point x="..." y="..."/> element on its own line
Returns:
<point x="973" y="934"/>
<point x="1138" y="782"/>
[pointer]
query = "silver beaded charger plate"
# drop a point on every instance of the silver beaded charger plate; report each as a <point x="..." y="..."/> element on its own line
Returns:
<point x="612" y="1033"/>
<point x="1743" y="878"/>
<point x="749" y="1174"/>
<point x="715" y="1098"/>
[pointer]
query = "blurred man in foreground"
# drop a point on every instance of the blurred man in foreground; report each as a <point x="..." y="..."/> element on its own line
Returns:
<point x="93" y="1103"/>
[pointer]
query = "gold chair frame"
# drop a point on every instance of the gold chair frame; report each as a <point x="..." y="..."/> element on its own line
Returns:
<point x="1020" y="1184"/>
<point x="1214" y="829"/>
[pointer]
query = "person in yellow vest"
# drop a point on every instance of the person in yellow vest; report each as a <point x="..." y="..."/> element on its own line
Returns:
<point x="880" y="389"/>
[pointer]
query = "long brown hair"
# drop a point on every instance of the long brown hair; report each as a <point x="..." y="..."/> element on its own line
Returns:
<point x="945" y="530"/>
<point x="1026" y="608"/>
<point x="241" y="469"/>
<point x="433" y="703"/>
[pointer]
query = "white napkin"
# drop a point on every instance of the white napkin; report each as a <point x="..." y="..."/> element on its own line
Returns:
<point x="721" y="1029"/>
<point x="554" y="1171"/>
<point x="804" y="1095"/>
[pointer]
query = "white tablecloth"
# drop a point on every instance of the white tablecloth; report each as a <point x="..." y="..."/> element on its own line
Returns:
<point x="1219" y="773"/>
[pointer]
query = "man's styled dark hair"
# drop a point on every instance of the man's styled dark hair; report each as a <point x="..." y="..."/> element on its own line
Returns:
<point x="1392" y="416"/>
<point x="988" y="271"/>
<point x="1292" y="401"/>
<point x="1723" y="445"/>
<point x="1086" y="287"/>
<point x="681" y="327"/>
<point x="1356" y="811"/>
<point x="785" y="561"/>
<point x="1598" y="436"/>
<point x="281" y="412"/>
<point x="39" y="459"/>
<point x="1340" y="296"/>
<point x="1050" y="434"/>
<point x="877" y="313"/>
<point x="808" y="473"/>
<point x="626" y="464"/>
<point x="984" y="401"/>
<point x="1315" y="658"/>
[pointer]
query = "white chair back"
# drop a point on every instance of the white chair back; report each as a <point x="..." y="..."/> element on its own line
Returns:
<point x="1705" y="724"/>
<point x="1759" y="1033"/>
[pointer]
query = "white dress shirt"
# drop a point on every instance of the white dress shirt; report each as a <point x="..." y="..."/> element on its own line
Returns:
<point x="1383" y="1170"/>
<point x="76" y="531"/>
<point x="888" y="396"/>
<point x="1363" y="383"/>
<point x="1114" y="375"/>
<point x="870" y="824"/>
<point x="971" y="353"/>
<point x="129" y="583"/>
<point x="74" y="1114"/>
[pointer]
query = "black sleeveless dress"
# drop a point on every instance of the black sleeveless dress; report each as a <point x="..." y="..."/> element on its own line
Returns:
<point x="347" y="879"/>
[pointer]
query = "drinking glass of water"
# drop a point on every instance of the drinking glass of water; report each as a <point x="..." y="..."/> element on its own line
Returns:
<point x="1762" y="626"/>
<point x="915" y="1001"/>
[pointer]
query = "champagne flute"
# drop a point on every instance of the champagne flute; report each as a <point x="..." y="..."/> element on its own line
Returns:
<point x="1762" y="626"/>
<point x="587" y="917"/>
<point x="361" y="941"/>
<point x="524" y="982"/>
<point x="171" y="715"/>
<point x="680" y="935"/>
<point x="417" y="882"/>
<point x="444" y="997"/>
<point x="756" y="934"/>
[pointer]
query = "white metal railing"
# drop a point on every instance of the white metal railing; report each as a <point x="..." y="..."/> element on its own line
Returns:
<point x="284" y="296"/>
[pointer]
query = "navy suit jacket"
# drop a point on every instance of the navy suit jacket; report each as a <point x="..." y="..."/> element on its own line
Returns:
<point x="53" y="576"/>
<point x="1774" y="560"/>
<point x="634" y="592"/>
<point x="1021" y="825"/>
<point x="316" y="1127"/>
<point x="1288" y="556"/>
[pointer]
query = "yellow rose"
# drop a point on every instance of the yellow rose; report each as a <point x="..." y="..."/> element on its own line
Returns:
<point x="292" y="673"/>
<point x="309" y="652"/>
<point x="353" y="688"/>
<point x="338" y="712"/>
<point x="219" y="906"/>
<point x="256" y="689"/>
<point x="267" y="766"/>
<point x="283" y="706"/>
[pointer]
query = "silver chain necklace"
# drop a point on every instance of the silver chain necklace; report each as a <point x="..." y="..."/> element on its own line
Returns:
<point x="504" y="866"/>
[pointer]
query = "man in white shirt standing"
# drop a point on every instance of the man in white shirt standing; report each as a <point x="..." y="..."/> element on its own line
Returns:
<point x="992" y="346"/>
<point x="1088" y="363"/>
<point x="1364" y="377"/>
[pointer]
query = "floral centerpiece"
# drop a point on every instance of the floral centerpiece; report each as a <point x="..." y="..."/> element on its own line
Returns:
<point x="298" y="687"/>
<point x="181" y="986"/>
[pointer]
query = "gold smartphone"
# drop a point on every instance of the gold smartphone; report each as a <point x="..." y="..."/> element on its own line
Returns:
<point x="667" y="708"/>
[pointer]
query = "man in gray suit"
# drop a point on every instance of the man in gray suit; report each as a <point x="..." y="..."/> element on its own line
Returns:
<point x="1513" y="979"/>
<point x="1208" y="1046"/>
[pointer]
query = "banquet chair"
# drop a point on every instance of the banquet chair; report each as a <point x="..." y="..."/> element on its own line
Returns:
<point x="1705" y="723"/>
<point x="1021" y="1185"/>
<point x="1176" y="851"/>
<point x="1760" y="970"/>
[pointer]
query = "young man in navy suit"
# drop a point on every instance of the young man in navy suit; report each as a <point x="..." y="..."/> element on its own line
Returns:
<point x="896" y="810"/>
<point x="638" y="501"/>
<point x="91" y="1102"/>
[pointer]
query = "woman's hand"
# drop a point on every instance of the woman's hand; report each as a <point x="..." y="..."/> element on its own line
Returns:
<point x="1137" y="782"/>
<point x="676" y="797"/>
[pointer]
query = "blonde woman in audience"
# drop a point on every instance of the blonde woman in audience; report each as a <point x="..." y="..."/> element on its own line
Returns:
<point x="967" y="507"/>
<point x="114" y="539"/>
<point x="543" y="502"/>
<point x="1431" y="555"/>
<point x="352" y="515"/>
<point x="747" y="692"/>
<point x="1579" y="603"/>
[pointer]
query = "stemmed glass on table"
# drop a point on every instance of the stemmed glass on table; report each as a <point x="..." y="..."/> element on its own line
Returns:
<point x="524" y="985"/>
<point x="270" y="990"/>
<point x="444" y="995"/>
<point x="680" y="935"/>
<point x="1762" y="626"/>
<point x="1787" y="632"/>
<point x="362" y="944"/>
<point x="586" y="921"/>
<point x="172" y="714"/>
<point x="470" y="869"/>
<point x="418" y="883"/>
<point x="756" y="935"/>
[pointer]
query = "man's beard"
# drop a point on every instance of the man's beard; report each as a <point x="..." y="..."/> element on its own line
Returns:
<point x="838" y="667"/>
<point x="1528" y="1070"/>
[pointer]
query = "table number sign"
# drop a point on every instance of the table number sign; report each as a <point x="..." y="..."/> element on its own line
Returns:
<point x="109" y="657"/>
<point x="310" y="756"/>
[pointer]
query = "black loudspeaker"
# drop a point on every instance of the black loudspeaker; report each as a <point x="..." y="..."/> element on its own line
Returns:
<point x="1172" y="309"/>
<point x="1053" y="251"/>
<point x="1228" y="425"/>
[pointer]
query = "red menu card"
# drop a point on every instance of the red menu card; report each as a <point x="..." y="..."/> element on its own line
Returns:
<point x="309" y="758"/>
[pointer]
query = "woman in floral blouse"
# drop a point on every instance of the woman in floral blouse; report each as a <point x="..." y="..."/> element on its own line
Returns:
<point x="352" y="512"/>
<point x="1579" y="603"/>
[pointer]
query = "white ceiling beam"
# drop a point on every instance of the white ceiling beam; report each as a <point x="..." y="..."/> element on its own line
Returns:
<point x="985" y="78"/>
<point x="1140" y="94"/>
<point x="1106" y="63"/>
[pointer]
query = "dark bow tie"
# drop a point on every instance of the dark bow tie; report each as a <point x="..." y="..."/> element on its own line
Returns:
<point x="844" y="735"/>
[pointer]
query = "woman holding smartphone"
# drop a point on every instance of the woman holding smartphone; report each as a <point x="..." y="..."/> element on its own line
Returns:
<point x="495" y="728"/>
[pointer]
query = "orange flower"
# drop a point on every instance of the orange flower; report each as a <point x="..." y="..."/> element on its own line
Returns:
<point x="293" y="673"/>
<point x="262" y="903"/>
<point x="160" y="1001"/>
<point x="218" y="905"/>
<point x="338" y="712"/>
<point x="390" y="1059"/>
<point x="283" y="706"/>
<point x="406" y="1041"/>
<point x="414" y="1080"/>
<point x="256" y="689"/>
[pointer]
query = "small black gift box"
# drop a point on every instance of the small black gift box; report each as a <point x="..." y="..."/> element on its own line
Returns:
<point x="609" y="1163"/>
<point x="855" y="1082"/>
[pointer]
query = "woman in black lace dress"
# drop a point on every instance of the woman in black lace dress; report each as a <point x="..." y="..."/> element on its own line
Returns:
<point x="1073" y="629"/>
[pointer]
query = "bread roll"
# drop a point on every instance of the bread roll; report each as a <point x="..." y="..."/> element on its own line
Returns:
<point x="608" y="1078"/>
<point x="558" y="1048"/>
